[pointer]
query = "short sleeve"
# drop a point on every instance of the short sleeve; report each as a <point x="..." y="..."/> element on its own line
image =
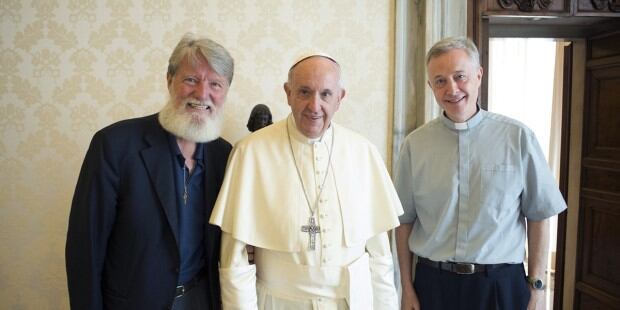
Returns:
<point x="541" y="197"/>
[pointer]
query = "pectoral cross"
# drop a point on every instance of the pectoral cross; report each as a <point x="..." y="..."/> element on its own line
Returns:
<point x="312" y="229"/>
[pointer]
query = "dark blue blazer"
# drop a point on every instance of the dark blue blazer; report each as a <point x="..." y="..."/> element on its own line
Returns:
<point x="122" y="250"/>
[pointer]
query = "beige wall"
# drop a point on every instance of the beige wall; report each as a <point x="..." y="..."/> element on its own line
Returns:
<point x="68" y="68"/>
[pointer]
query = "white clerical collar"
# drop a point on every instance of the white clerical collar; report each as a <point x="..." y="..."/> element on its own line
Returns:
<point x="470" y="123"/>
<point x="300" y="137"/>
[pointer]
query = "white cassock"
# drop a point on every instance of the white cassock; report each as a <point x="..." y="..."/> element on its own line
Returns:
<point x="262" y="203"/>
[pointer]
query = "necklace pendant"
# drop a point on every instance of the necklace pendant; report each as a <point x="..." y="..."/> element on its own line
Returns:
<point x="312" y="229"/>
<point x="186" y="175"/>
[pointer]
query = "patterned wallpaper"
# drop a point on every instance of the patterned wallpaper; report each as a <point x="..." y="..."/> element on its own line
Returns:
<point x="70" y="67"/>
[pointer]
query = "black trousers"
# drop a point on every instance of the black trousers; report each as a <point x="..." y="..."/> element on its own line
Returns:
<point x="501" y="288"/>
<point x="194" y="299"/>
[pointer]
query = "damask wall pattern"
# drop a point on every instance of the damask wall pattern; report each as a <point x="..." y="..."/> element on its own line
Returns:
<point x="71" y="67"/>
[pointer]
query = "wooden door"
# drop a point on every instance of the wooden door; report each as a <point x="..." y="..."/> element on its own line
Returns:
<point x="597" y="284"/>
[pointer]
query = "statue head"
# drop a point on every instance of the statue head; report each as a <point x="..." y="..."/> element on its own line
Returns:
<point x="259" y="117"/>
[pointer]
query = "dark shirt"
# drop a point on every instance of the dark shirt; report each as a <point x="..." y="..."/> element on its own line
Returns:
<point x="191" y="211"/>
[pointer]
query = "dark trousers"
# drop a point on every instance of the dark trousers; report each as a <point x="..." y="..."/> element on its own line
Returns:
<point x="194" y="299"/>
<point x="501" y="288"/>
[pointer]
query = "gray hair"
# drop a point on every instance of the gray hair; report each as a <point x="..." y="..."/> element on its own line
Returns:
<point x="447" y="44"/>
<point x="193" y="46"/>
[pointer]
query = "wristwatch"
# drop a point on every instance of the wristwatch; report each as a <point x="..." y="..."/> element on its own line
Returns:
<point x="536" y="283"/>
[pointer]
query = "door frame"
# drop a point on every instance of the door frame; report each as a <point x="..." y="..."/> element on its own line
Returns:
<point x="480" y="28"/>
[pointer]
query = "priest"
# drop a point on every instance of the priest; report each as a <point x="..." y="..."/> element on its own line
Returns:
<point x="316" y="202"/>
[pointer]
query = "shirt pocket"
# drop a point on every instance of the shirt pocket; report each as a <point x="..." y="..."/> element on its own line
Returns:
<point x="500" y="189"/>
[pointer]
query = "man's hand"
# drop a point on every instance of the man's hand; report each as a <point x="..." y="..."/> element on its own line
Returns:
<point x="537" y="300"/>
<point x="409" y="299"/>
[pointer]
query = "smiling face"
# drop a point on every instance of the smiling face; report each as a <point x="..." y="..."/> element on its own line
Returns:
<point x="197" y="89"/>
<point x="197" y="95"/>
<point x="455" y="80"/>
<point x="314" y="94"/>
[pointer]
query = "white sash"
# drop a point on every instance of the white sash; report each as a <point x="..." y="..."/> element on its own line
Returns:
<point x="294" y="281"/>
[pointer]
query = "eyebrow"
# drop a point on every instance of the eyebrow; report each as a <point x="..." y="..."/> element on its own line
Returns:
<point x="455" y="72"/>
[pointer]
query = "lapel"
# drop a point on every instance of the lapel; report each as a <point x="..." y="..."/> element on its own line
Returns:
<point x="158" y="161"/>
<point x="211" y="236"/>
<point x="210" y="178"/>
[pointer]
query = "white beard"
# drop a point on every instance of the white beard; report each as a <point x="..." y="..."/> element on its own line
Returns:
<point x="190" y="126"/>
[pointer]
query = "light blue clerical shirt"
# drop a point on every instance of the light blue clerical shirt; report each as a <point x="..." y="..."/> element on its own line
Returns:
<point x="469" y="187"/>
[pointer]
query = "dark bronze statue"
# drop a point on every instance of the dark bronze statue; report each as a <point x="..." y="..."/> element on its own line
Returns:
<point x="259" y="117"/>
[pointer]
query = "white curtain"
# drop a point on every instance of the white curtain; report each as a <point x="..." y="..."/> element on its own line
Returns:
<point x="521" y="82"/>
<point x="556" y="110"/>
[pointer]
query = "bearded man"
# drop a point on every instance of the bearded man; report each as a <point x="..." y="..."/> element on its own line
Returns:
<point x="138" y="235"/>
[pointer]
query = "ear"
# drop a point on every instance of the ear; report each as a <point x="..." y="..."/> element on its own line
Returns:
<point x="341" y="95"/>
<point x="169" y="80"/>
<point x="287" y="90"/>
<point x="343" y="92"/>
<point x="428" y="82"/>
<point x="479" y="74"/>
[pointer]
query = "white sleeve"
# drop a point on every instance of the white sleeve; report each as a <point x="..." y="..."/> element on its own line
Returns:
<point x="237" y="276"/>
<point x="382" y="272"/>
